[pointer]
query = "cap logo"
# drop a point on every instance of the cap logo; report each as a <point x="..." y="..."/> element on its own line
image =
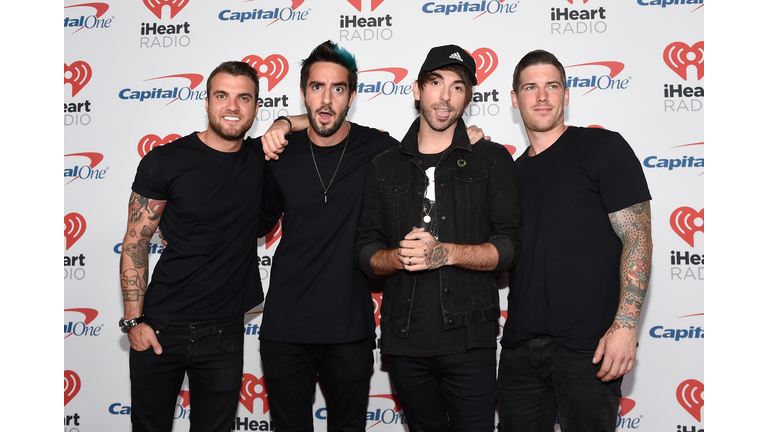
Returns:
<point x="456" y="56"/>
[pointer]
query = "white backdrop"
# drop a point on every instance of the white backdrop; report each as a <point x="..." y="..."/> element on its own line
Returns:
<point x="134" y="77"/>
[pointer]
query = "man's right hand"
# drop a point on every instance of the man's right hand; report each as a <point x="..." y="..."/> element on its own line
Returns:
<point x="142" y="337"/>
<point x="273" y="142"/>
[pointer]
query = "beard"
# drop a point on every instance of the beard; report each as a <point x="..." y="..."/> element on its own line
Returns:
<point x="326" y="131"/>
<point x="233" y="133"/>
<point x="436" y="124"/>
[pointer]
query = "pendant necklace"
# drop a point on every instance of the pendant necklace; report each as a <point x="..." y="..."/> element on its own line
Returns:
<point x="325" y="189"/>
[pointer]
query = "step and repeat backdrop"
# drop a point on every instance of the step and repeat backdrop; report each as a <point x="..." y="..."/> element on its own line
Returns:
<point x="134" y="78"/>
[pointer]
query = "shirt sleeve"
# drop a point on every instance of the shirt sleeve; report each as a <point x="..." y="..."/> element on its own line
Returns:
<point x="622" y="181"/>
<point x="504" y="210"/>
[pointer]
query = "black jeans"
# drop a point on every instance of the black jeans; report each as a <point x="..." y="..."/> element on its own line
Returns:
<point x="542" y="379"/>
<point x="210" y="353"/>
<point x="291" y="371"/>
<point x="452" y="392"/>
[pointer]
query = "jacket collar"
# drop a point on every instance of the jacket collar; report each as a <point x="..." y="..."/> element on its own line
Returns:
<point x="410" y="142"/>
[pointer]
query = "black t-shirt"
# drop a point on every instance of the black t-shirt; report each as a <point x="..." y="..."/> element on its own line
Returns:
<point x="427" y="336"/>
<point x="316" y="292"/>
<point x="210" y="268"/>
<point x="566" y="284"/>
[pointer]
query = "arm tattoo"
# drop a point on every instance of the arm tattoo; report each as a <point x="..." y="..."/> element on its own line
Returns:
<point x="633" y="226"/>
<point x="435" y="254"/>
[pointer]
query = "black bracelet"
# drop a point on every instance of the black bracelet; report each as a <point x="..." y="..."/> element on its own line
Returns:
<point x="290" y="125"/>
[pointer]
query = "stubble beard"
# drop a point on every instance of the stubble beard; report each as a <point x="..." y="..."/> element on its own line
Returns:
<point x="429" y="115"/>
<point x="326" y="131"/>
<point x="229" y="135"/>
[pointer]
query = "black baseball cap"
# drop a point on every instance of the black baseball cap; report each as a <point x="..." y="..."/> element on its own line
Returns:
<point x="445" y="55"/>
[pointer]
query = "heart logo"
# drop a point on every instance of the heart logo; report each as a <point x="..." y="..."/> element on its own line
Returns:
<point x="275" y="234"/>
<point x="78" y="74"/>
<point x="72" y="385"/>
<point x="148" y="142"/>
<point x="683" y="223"/>
<point x="486" y="61"/>
<point x="689" y="397"/>
<point x="678" y="56"/>
<point x="376" y="297"/>
<point x="156" y="6"/>
<point x="274" y="68"/>
<point x="74" y="228"/>
<point x="251" y="389"/>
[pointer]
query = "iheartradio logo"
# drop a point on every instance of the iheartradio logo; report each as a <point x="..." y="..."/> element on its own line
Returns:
<point x="376" y="297"/>
<point x="511" y="149"/>
<point x="274" y="68"/>
<point x="148" y="142"/>
<point x="72" y="385"/>
<point x="184" y="395"/>
<point x="251" y="389"/>
<point x="487" y="61"/>
<point x="582" y="2"/>
<point x="678" y="56"/>
<point x="689" y="396"/>
<point x="275" y="234"/>
<point x="74" y="228"/>
<point x="78" y="74"/>
<point x="358" y="4"/>
<point x="157" y="6"/>
<point x="685" y="223"/>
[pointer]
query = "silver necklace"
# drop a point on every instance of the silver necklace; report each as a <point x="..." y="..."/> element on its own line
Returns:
<point x="325" y="189"/>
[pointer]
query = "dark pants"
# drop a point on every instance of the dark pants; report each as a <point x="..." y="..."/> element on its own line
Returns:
<point x="291" y="371"/>
<point x="211" y="354"/>
<point x="447" y="393"/>
<point x="542" y="379"/>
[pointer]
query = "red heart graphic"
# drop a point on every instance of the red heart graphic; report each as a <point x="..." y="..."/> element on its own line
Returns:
<point x="148" y="142"/>
<point x="156" y="6"/>
<point x="74" y="228"/>
<point x="71" y="385"/>
<point x="276" y="68"/>
<point x="486" y="61"/>
<point x="249" y="392"/>
<point x="80" y="75"/>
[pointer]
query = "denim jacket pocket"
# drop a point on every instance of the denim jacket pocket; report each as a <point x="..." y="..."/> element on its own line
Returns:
<point x="470" y="187"/>
<point x="395" y="204"/>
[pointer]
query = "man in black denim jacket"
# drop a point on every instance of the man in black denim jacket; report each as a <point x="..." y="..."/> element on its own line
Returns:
<point x="440" y="217"/>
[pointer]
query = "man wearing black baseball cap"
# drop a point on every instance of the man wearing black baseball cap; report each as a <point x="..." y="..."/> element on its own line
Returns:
<point x="439" y="218"/>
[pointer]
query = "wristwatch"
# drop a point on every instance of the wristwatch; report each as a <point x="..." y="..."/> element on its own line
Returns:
<point x="126" y="325"/>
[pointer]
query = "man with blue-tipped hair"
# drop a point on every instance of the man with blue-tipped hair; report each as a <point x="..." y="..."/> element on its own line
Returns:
<point x="318" y="315"/>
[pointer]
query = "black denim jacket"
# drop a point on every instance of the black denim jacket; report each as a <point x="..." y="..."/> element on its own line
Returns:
<point x="478" y="201"/>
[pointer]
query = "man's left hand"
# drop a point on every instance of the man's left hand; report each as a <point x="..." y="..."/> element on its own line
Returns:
<point x="475" y="134"/>
<point x="617" y="351"/>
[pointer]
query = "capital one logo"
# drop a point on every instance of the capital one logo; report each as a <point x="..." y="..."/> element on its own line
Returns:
<point x="101" y="9"/>
<point x="74" y="228"/>
<point x="83" y="171"/>
<point x="253" y="388"/>
<point x="487" y="61"/>
<point x="77" y="74"/>
<point x="625" y="405"/>
<point x="275" y="234"/>
<point x="678" y="56"/>
<point x="689" y="396"/>
<point x="88" y="316"/>
<point x="386" y="87"/>
<point x="148" y="142"/>
<point x="602" y="82"/>
<point x="274" y="68"/>
<point x="383" y="417"/>
<point x="358" y="4"/>
<point x="686" y="222"/>
<point x="72" y="385"/>
<point x="156" y="6"/>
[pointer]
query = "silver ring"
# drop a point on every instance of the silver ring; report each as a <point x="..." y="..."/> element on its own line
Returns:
<point x="409" y="260"/>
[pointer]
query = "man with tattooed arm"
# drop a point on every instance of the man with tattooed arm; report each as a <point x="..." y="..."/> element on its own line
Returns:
<point x="576" y="293"/>
<point x="189" y="318"/>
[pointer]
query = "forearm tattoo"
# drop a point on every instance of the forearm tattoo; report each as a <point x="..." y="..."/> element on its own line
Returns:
<point x="633" y="226"/>
<point x="134" y="279"/>
<point x="435" y="254"/>
<point x="140" y="206"/>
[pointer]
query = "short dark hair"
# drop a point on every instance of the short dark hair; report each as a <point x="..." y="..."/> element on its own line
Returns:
<point x="235" y="68"/>
<point x="533" y="58"/>
<point x="461" y="71"/>
<point x="332" y="53"/>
